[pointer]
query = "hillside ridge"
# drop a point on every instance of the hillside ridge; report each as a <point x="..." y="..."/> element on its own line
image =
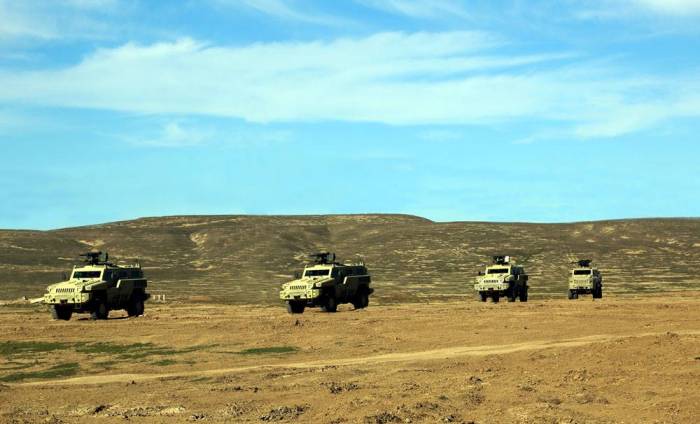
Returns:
<point x="244" y="258"/>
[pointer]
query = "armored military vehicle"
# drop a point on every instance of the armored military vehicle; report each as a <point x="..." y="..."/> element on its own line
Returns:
<point x="327" y="283"/>
<point x="502" y="279"/>
<point x="584" y="279"/>
<point x="96" y="287"/>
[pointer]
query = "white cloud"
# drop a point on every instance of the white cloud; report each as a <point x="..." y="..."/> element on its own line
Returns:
<point x="393" y="78"/>
<point x="286" y="10"/>
<point x="32" y="19"/>
<point x="421" y="8"/>
<point x="634" y="9"/>
<point x="188" y="133"/>
<point x="16" y="21"/>
<point x="169" y="134"/>
<point x="671" y="7"/>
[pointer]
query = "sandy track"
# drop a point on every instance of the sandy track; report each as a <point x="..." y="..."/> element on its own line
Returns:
<point x="426" y="355"/>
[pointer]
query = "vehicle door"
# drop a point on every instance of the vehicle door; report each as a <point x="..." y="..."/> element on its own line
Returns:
<point x="338" y="275"/>
<point x="349" y="283"/>
<point x="125" y="285"/>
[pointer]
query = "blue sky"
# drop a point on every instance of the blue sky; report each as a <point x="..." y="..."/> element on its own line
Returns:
<point x="545" y="111"/>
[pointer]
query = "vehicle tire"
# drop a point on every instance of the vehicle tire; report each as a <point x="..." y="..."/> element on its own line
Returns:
<point x="495" y="298"/>
<point x="295" y="307"/>
<point x="365" y="300"/>
<point x="523" y="294"/>
<point x="66" y="314"/>
<point x="329" y="305"/>
<point x="135" y="307"/>
<point x="512" y="294"/>
<point x="100" y="312"/>
<point x="131" y="309"/>
<point x="61" y="313"/>
<point x="484" y="297"/>
<point x="361" y="300"/>
<point x="571" y="295"/>
<point x="598" y="293"/>
<point x="574" y="295"/>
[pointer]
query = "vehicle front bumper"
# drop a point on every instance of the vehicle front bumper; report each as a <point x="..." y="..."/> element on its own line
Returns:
<point x="77" y="302"/>
<point x="580" y="285"/>
<point x="490" y="287"/>
<point x="308" y="294"/>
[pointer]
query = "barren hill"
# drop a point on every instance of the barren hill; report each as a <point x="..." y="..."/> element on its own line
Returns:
<point x="244" y="259"/>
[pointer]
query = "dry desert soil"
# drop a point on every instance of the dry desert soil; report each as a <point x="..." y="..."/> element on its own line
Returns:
<point x="624" y="359"/>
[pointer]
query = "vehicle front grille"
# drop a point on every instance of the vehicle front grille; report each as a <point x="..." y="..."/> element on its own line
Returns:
<point x="297" y="287"/>
<point x="65" y="290"/>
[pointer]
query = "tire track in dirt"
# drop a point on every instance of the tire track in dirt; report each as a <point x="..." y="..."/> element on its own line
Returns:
<point x="426" y="355"/>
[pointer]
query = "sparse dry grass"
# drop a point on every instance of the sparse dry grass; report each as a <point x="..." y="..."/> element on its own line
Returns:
<point x="244" y="259"/>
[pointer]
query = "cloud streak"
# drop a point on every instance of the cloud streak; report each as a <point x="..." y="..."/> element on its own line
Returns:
<point x="60" y="19"/>
<point x="420" y="8"/>
<point x="285" y="10"/>
<point x="670" y="7"/>
<point x="392" y="78"/>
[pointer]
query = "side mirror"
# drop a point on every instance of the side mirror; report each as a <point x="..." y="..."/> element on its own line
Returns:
<point x="297" y="275"/>
<point x="481" y="272"/>
<point x="64" y="276"/>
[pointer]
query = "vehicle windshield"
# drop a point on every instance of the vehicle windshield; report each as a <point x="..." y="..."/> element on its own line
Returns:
<point x="317" y="272"/>
<point x="497" y="271"/>
<point x="86" y="274"/>
<point x="582" y="272"/>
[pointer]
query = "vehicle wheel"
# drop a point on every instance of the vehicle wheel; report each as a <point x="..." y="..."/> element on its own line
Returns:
<point x="495" y="298"/>
<point x="598" y="293"/>
<point x="362" y="300"/>
<point x="62" y="313"/>
<point x="135" y="307"/>
<point x="574" y="295"/>
<point x="484" y="297"/>
<point x="570" y="295"/>
<point x="523" y="294"/>
<point x="131" y="309"/>
<point x="295" y="307"/>
<point x="330" y="305"/>
<point x="100" y="312"/>
<point x="512" y="294"/>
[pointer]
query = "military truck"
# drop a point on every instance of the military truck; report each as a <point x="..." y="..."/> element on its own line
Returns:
<point x="584" y="279"/>
<point x="502" y="278"/>
<point x="97" y="287"/>
<point x="326" y="283"/>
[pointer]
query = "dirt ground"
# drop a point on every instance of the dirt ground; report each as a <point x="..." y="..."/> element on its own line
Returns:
<point x="619" y="360"/>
